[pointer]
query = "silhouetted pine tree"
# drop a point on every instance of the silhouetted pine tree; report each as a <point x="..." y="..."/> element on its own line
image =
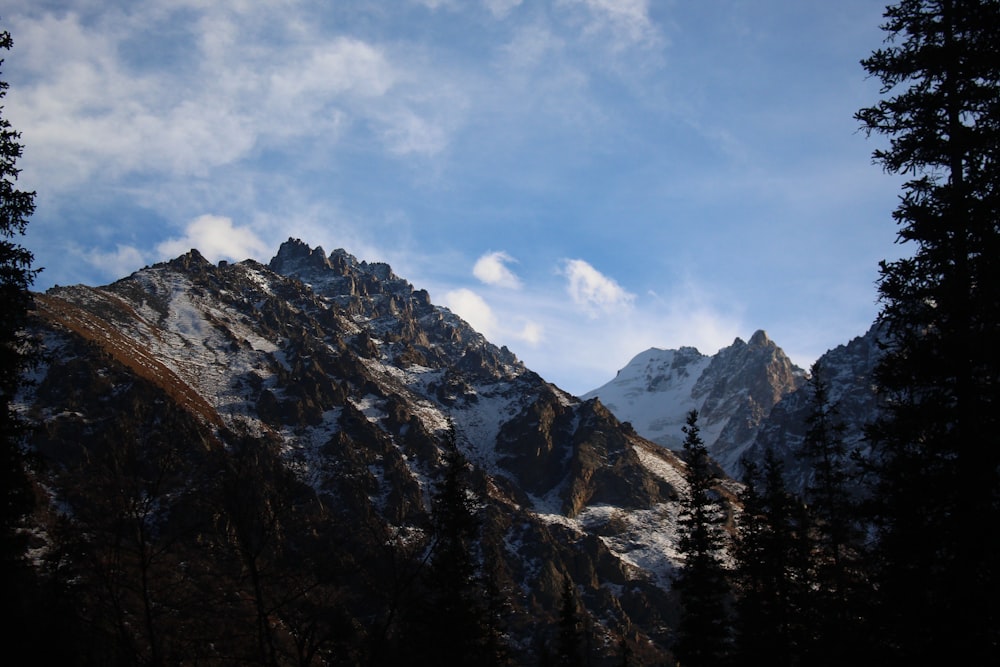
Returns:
<point x="836" y="535"/>
<point x="452" y="626"/>
<point x="17" y="580"/>
<point x="703" y="635"/>
<point x="937" y="501"/>
<point x="569" y="643"/>
<point x="827" y="495"/>
<point x="498" y="609"/>
<point x="753" y="624"/>
<point x="16" y="353"/>
<point x="772" y="570"/>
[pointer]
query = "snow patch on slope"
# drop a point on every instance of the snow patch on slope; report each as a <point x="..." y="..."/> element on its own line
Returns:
<point x="654" y="393"/>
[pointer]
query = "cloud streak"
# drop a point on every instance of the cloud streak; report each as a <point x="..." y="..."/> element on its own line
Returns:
<point x="627" y="22"/>
<point x="593" y="291"/>
<point x="473" y="309"/>
<point x="492" y="269"/>
<point x="515" y="325"/>
<point x="192" y="113"/>
<point x="216" y="238"/>
<point x="581" y="346"/>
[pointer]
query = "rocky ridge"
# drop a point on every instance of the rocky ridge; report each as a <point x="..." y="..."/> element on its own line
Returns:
<point x="733" y="390"/>
<point x="848" y="370"/>
<point x="335" y="384"/>
<point x="750" y="398"/>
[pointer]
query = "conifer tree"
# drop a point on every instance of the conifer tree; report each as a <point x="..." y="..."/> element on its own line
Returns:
<point x="454" y="628"/>
<point x="772" y="570"/>
<point x="16" y="353"/>
<point x="827" y="494"/>
<point x="836" y="534"/>
<point x="17" y="580"/>
<point x="937" y="500"/>
<point x="704" y="630"/>
<point x="753" y="625"/>
<point x="569" y="627"/>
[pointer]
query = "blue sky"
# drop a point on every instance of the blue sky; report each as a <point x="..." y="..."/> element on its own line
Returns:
<point x="579" y="179"/>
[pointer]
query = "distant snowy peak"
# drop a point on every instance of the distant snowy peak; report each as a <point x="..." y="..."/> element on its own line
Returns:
<point x="654" y="367"/>
<point x="653" y="392"/>
<point x="733" y="390"/>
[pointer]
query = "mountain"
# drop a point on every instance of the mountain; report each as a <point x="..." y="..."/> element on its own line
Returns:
<point x="848" y="370"/>
<point x="238" y="462"/>
<point x="750" y="398"/>
<point x="734" y="391"/>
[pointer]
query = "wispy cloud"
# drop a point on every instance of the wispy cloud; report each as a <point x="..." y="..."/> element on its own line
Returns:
<point x="593" y="291"/>
<point x="435" y="4"/>
<point x="626" y="22"/>
<point x="585" y="351"/>
<point x="86" y="111"/>
<point x="517" y="325"/>
<point x="501" y="8"/>
<point x="566" y="341"/>
<point x="122" y="261"/>
<point x="492" y="269"/>
<point x="531" y="333"/>
<point x="424" y="133"/>
<point x="473" y="309"/>
<point x="405" y="132"/>
<point x="216" y="238"/>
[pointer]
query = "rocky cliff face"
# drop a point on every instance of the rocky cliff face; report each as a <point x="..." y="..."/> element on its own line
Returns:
<point x="848" y="371"/>
<point x="306" y="404"/>
<point x="750" y="398"/>
<point x="734" y="391"/>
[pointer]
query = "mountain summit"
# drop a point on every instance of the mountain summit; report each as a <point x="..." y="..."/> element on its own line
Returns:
<point x="733" y="391"/>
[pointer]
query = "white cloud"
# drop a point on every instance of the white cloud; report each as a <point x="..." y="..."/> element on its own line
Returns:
<point x="492" y="269"/>
<point x="626" y="22"/>
<point x="509" y="327"/>
<point x="473" y="309"/>
<point x="124" y="260"/>
<point x="433" y="5"/>
<point x="533" y="45"/>
<point x="88" y="111"/>
<point x="216" y="238"/>
<point x="407" y="132"/>
<point x="581" y="353"/>
<point x="594" y="291"/>
<point x="501" y="8"/>
<point x="319" y="72"/>
<point x="531" y="333"/>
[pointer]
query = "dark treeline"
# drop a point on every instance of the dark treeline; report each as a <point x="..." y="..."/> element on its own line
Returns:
<point x="797" y="590"/>
<point x="212" y="556"/>
<point x="890" y="556"/>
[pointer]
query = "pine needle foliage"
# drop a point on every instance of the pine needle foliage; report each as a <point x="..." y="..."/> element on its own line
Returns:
<point x="937" y="499"/>
<point x="704" y="629"/>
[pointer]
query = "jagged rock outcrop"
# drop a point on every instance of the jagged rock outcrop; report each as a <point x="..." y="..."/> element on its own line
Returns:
<point x="848" y="371"/>
<point x="738" y="391"/>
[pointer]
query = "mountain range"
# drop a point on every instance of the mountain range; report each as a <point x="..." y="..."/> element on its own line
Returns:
<point x="305" y="407"/>
<point x="749" y="395"/>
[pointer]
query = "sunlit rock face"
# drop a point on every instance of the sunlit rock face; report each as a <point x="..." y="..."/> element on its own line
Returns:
<point x="733" y="390"/>
<point x="848" y="371"/>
